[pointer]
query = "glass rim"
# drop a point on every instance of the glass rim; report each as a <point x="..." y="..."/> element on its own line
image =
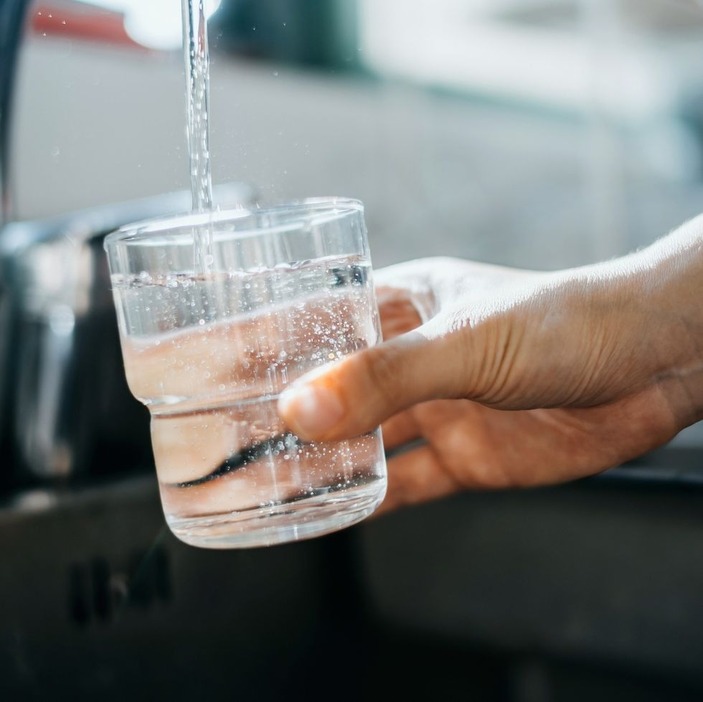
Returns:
<point x="314" y="207"/>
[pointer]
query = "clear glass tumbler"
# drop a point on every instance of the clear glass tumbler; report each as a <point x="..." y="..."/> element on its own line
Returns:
<point x="218" y="313"/>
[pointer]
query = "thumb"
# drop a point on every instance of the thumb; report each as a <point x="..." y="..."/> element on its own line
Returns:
<point x="356" y="394"/>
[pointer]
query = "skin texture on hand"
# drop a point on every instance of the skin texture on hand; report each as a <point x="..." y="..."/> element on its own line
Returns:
<point x="497" y="378"/>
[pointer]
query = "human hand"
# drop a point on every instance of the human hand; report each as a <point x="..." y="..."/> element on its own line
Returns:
<point x="514" y="378"/>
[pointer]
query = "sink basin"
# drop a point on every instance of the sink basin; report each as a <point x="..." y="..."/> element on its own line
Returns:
<point x="99" y="601"/>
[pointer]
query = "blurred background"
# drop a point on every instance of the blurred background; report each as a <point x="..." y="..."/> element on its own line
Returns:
<point x="535" y="133"/>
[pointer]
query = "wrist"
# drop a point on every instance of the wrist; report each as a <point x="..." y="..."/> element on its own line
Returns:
<point x="641" y="320"/>
<point x="667" y="287"/>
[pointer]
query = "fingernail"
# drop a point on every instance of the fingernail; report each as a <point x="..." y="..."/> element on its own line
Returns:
<point x="310" y="409"/>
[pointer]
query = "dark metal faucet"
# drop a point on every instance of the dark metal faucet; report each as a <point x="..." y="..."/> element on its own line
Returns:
<point x="12" y="14"/>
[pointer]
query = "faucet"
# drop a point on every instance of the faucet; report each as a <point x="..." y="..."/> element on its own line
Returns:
<point x="12" y="14"/>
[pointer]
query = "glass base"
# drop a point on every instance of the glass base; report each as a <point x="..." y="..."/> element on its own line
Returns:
<point x="281" y="522"/>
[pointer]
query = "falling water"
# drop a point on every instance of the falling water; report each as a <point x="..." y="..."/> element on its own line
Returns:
<point x="197" y="68"/>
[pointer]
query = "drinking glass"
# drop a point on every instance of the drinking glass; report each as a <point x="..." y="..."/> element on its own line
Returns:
<point x="218" y="313"/>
